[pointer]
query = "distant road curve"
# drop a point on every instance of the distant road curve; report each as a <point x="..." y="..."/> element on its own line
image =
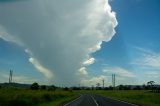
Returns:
<point x="97" y="100"/>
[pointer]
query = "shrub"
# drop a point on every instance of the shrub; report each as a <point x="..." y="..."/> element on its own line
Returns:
<point x="35" y="86"/>
<point x="43" y="87"/>
<point x="52" y="88"/>
<point x="47" y="97"/>
<point x="76" y="88"/>
<point x="66" y="88"/>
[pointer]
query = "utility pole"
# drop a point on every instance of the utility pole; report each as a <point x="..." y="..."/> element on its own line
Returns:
<point x="10" y="76"/>
<point x="103" y="83"/>
<point x="113" y="80"/>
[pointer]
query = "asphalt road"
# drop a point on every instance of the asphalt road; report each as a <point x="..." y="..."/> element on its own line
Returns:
<point x="97" y="100"/>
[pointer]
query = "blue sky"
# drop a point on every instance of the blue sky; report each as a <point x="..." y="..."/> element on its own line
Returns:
<point x="137" y="32"/>
<point x="13" y="57"/>
<point x="133" y="54"/>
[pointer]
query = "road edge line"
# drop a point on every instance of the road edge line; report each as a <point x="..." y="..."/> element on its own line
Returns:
<point x="121" y="101"/>
<point x="94" y="100"/>
<point x="72" y="101"/>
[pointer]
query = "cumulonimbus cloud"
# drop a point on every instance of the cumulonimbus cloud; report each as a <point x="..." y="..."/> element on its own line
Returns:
<point x="60" y="35"/>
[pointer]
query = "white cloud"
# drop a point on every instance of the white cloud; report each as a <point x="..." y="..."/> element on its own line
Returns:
<point x="147" y="58"/>
<point x="95" y="47"/>
<point x="119" y="71"/>
<point x="82" y="71"/>
<point x="40" y="68"/>
<point x="59" y="35"/>
<point x="89" y="61"/>
<point x="6" y="36"/>
<point x="152" y="74"/>
<point x="147" y="63"/>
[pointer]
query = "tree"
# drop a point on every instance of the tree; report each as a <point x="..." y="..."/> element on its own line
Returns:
<point x="98" y="86"/>
<point x="121" y="87"/>
<point x="151" y="84"/>
<point x="110" y="88"/>
<point x="35" y="86"/>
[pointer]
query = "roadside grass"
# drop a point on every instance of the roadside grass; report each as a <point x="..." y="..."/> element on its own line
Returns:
<point x="140" y="97"/>
<point x="59" y="102"/>
<point x="26" y="97"/>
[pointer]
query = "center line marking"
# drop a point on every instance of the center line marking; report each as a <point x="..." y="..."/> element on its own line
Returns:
<point x="94" y="100"/>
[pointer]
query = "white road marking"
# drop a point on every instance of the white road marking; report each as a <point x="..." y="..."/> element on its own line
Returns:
<point x="121" y="101"/>
<point x="72" y="101"/>
<point x="94" y="100"/>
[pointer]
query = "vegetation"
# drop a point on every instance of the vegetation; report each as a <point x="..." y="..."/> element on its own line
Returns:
<point x="43" y="87"/>
<point x="52" y="88"/>
<point x="36" y="95"/>
<point x="35" y="86"/>
<point x="27" y="97"/>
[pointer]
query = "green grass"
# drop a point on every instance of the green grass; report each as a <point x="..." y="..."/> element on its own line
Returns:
<point x="26" y="97"/>
<point x="22" y="97"/>
<point x="59" y="102"/>
<point x="140" y="97"/>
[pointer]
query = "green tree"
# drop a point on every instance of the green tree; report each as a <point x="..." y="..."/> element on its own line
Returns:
<point x="150" y="84"/>
<point x="35" y="86"/>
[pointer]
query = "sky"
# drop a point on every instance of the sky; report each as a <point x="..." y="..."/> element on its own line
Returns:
<point x="80" y="42"/>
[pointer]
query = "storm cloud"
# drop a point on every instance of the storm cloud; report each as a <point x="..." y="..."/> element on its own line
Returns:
<point x="59" y="36"/>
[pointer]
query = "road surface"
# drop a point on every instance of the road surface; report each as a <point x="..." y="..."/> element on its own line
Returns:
<point x="97" y="100"/>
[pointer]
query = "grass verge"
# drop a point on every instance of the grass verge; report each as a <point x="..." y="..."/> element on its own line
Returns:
<point x="140" y="97"/>
<point x="26" y="97"/>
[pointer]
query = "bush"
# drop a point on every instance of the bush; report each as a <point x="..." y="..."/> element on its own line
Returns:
<point x="137" y="88"/>
<point x="66" y="88"/>
<point x="123" y="87"/>
<point x="47" y="97"/>
<point x="76" y="88"/>
<point x="35" y="86"/>
<point x="52" y="88"/>
<point x="43" y="87"/>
